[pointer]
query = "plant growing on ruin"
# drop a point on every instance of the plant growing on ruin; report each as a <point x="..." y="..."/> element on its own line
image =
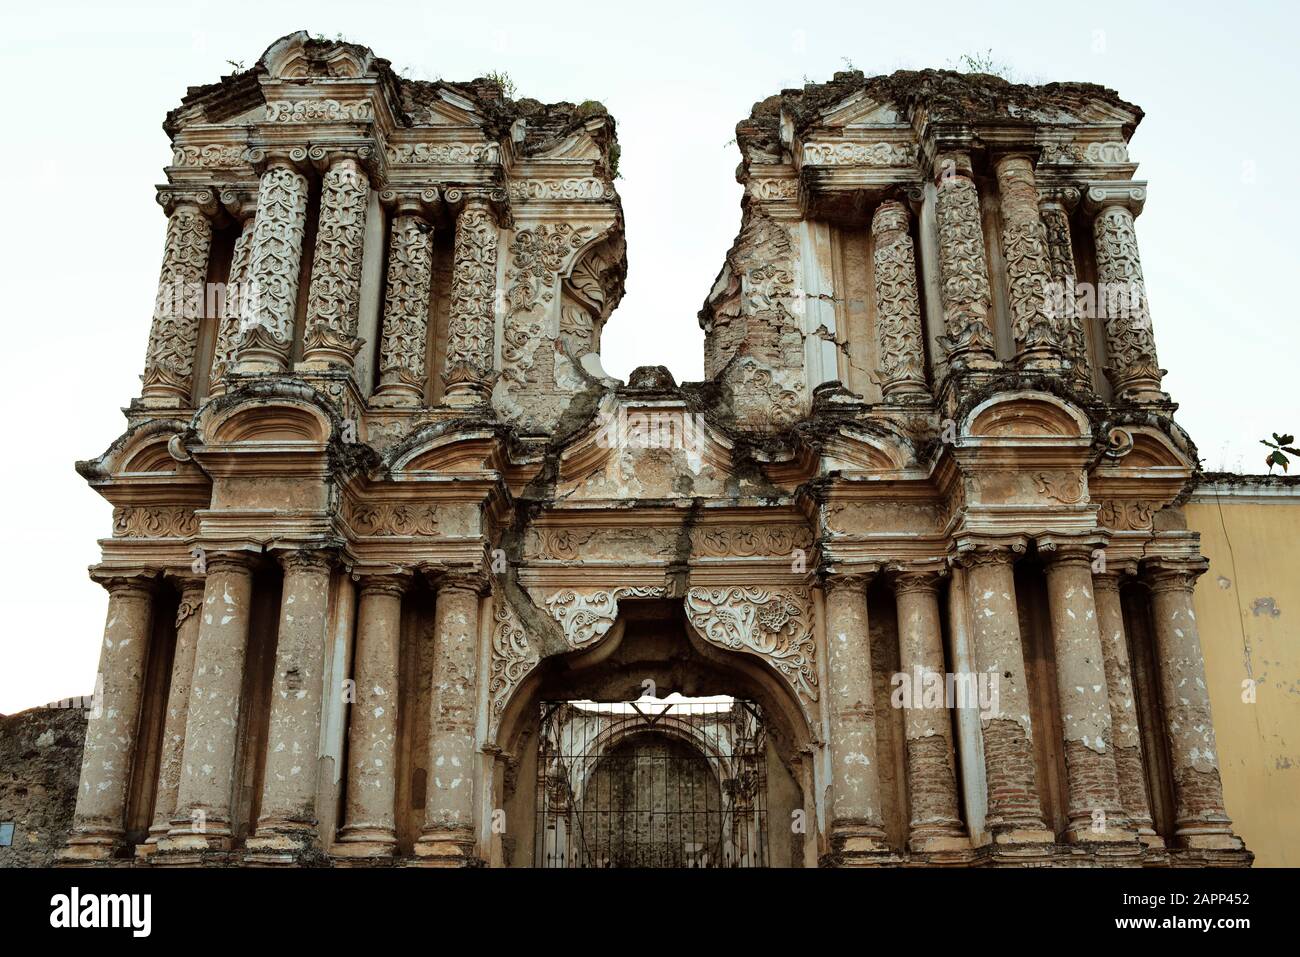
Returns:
<point x="502" y="79"/>
<point x="1280" y="445"/>
<point x="984" y="63"/>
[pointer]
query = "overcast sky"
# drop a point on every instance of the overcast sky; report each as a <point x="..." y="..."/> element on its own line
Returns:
<point x="87" y="86"/>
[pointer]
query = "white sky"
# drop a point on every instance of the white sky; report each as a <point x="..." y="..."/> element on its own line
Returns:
<point x="87" y="86"/>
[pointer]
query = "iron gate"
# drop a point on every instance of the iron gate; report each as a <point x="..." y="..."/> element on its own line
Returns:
<point x="652" y="783"/>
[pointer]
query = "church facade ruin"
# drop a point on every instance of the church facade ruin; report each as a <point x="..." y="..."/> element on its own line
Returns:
<point x="398" y="575"/>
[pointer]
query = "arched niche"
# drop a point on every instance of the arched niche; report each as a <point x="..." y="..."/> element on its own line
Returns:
<point x="1026" y="415"/>
<point x="271" y="421"/>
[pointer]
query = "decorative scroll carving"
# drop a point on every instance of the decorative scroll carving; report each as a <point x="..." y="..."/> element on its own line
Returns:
<point x="174" y="334"/>
<point x="773" y="189"/>
<point x="586" y="616"/>
<point x="562" y="543"/>
<point x="1024" y="245"/>
<point x="400" y="519"/>
<point x="512" y="658"/>
<point x="858" y="154"/>
<point x="187" y="608"/>
<point x="470" y="327"/>
<point x="901" y="355"/>
<point x="422" y="154"/>
<point x="777" y="405"/>
<point x="575" y="187"/>
<point x="1116" y="152"/>
<point x="1129" y="340"/>
<point x="139" y="521"/>
<point x="316" y="111"/>
<point x="232" y="307"/>
<point x="774" y="624"/>
<point x="1121" y="516"/>
<point x="334" y="297"/>
<point x="536" y="256"/>
<point x="406" y="308"/>
<point x="717" y="541"/>
<point x="209" y="157"/>
<point x="267" y="326"/>
<point x="962" y="266"/>
<point x="1063" y="487"/>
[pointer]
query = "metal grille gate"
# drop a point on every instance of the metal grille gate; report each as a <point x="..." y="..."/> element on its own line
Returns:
<point x="652" y="783"/>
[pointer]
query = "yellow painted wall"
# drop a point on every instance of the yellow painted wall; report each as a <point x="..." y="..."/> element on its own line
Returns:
<point x="1248" y="607"/>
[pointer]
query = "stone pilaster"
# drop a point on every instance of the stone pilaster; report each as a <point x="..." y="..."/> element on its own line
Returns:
<point x="448" y="837"/>
<point x="1054" y="207"/>
<point x="266" y="326"/>
<point x="899" y="343"/>
<point x="235" y="305"/>
<point x="1092" y="802"/>
<point x="935" y="822"/>
<point x="178" y="307"/>
<point x="471" y="326"/>
<point x="334" y="297"/>
<point x="98" y="823"/>
<point x="404" y="341"/>
<point x="172" y="756"/>
<point x="1125" y="733"/>
<point x="1015" y="814"/>
<point x="963" y="268"/>
<point x="370" y="822"/>
<point x="1036" y="332"/>
<point x="857" y="830"/>
<point x="1132" y="365"/>
<point x="1199" y="817"/>
<point x="287" y="826"/>
<point x="202" y="819"/>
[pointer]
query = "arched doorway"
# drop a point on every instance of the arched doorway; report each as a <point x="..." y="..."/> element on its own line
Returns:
<point x="653" y="748"/>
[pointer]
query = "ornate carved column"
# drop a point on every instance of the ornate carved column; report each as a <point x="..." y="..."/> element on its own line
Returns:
<point x="1125" y="733"/>
<point x="369" y="828"/>
<point x="98" y="823"/>
<point x="471" y="326"/>
<point x="235" y="305"/>
<point x="178" y="705"/>
<point x="406" y="302"/>
<point x="931" y="776"/>
<point x="1054" y="206"/>
<point x="856" y="825"/>
<point x="1133" y="368"/>
<point x="1024" y="247"/>
<point x="1014" y="811"/>
<point x="898" y="309"/>
<point x="1092" y="803"/>
<point x="1199" y="816"/>
<point x="963" y="269"/>
<point x="266" y="327"/>
<point x="334" y="297"/>
<point x="203" y="800"/>
<point x="178" y="307"/>
<point x="287" y="824"/>
<point x="448" y="837"/>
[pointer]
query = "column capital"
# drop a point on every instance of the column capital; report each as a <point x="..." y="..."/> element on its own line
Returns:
<point x="461" y="579"/>
<point x="236" y="560"/>
<point x="854" y="578"/>
<point x="1065" y="197"/>
<point x="892" y="215"/>
<point x="1115" y="574"/>
<point x="172" y="197"/>
<point x="411" y="202"/>
<point x="908" y="579"/>
<point x="973" y="552"/>
<point x="293" y="158"/>
<point x="1069" y="550"/>
<point x="1173" y="574"/>
<point x="1130" y="195"/>
<point x="309" y="559"/>
<point x="383" y="581"/>
<point x="125" y="581"/>
<point x="494" y="200"/>
<point x="949" y="163"/>
<point x="240" y="202"/>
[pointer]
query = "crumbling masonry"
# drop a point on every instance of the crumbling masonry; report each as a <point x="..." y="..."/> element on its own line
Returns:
<point x="377" y="501"/>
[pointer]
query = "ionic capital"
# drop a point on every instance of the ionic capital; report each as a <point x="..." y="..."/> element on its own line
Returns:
<point x="908" y="580"/>
<point x="411" y="202"/>
<point x="390" y="581"/>
<point x="126" y="582"/>
<point x="1114" y="574"/>
<point x="1173" y="574"/>
<point x="240" y="202"/>
<point x="1059" y="197"/>
<point x="172" y="198"/>
<point x="854" y="579"/>
<point x="311" y="560"/>
<point x="972" y="553"/>
<point x="1062" y="550"/>
<point x="493" y="200"/>
<point x="1130" y="195"/>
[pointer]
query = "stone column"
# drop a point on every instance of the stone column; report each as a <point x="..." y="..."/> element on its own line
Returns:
<point x="931" y="777"/>
<point x="1092" y="802"/>
<point x="287" y="824"/>
<point x="1014" y="812"/>
<point x="266" y="326"/>
<point x="178" y="307"/>
<point x="1125" y="733"/>
<point x="1036" y="332"/>
<point x="370" y="821"/>
<point x="172" y="757"/>
<point x="334" y="297"/>
<point x="235" y="305"/>
<point x="1133" y="368"/>
<point x="899" y="343"/>
<point x="1199" y="816"/>
<point x="1054" y="206"/>
<point x="471" y="326"/>
<point x="98" y="823"/>
<point x="856" y="823"/>
<point x="448" y="837"/>
<point x="406" y="304"/>
<point x="203" y="800"/>
<point x="963" y="269"/>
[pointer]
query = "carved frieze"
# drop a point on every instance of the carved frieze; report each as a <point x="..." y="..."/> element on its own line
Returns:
<point x="858" y="154"/>
<point x="317" y="111"/>
<point x="431" y="154"/>
<point x="154" y="521"/>
<point x="749" y="541"/>
<point x="214" y="156"/>
<point x="569" y="188"/>
<point x="1126" y="516"/>
<point x="400" y="519"/>
<point x="586" y="616"/>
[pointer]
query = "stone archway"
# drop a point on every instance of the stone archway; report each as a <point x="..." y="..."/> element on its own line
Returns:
<point x="652" y="648"/>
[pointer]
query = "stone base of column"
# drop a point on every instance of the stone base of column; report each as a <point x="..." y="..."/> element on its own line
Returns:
<point x="89" y="847"/>
<point x="446" y="849"/>
<point x="858" y="844"/>
<point x="283" y="846"/>
<point x="1208" y="838"/>
<point x="396" y="395"/>
<point x="938" y="839"/>
<point x="365" y="842"/>
<point x="1023" y="835"/>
